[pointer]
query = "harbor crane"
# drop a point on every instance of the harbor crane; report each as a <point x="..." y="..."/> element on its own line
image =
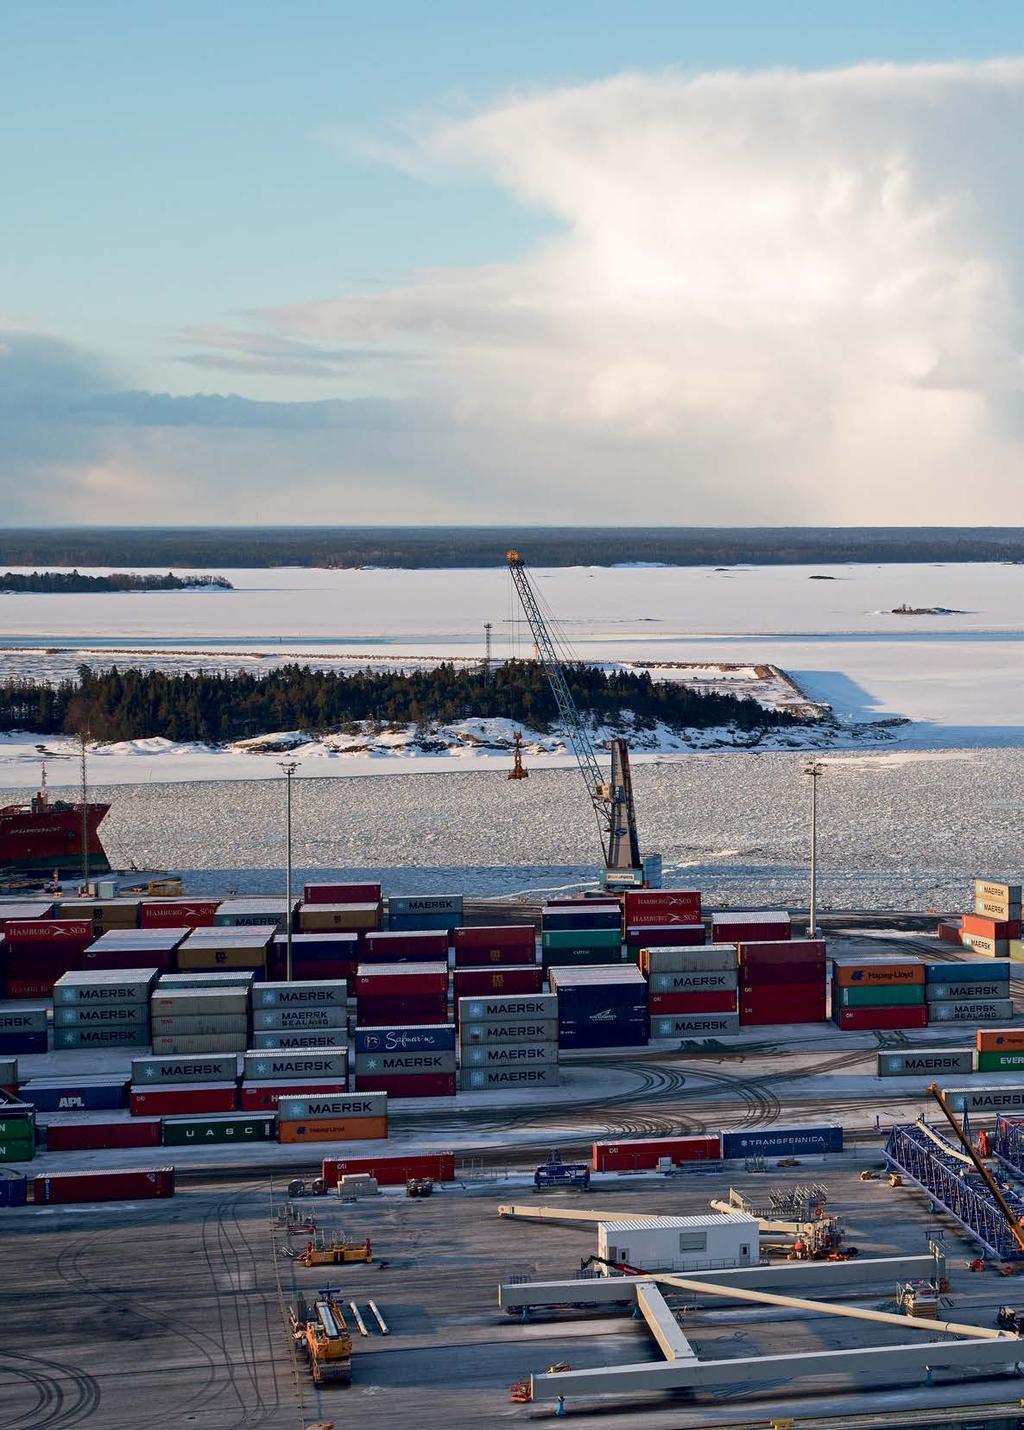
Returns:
<point x="612" y="797"/>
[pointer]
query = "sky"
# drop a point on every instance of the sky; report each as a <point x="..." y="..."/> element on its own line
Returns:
<point x="750" y="262"/>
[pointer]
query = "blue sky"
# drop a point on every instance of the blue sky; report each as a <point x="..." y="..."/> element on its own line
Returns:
<point x="174" y="167"/>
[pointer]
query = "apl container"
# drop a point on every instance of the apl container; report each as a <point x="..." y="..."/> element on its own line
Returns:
<point x="103" y="1186"/>
<point x="926" y="1062"/>
<point x="641" y="1154"/>
<point x="782" y="1141"/>
<point x="695" y="1025"/>
<point x="93" y="1094"/>
<point x="509" y="1079"/>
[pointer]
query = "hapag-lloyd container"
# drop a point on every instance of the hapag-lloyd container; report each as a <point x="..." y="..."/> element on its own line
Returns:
<point x="81" y="1136"/>
<point x="688" y="1025"/>
<point x="300" y="1038"/>
<point x="409" y="1085"/>
<point x="888" y="972"/>
<point x="782" y="1141"/>
<point x="328" y="992"/>
<point x="694" y="981"/>
<point x="428" y="1038"/>
<point x="644" y="1153"/>
<point x="183" y="1098"/>
<point x="332" y="1129"/>
<point x="267" y="1096"/>
<point x="220" y="1068"/>
<point x="990" y="1010"/>
<point x="487" y="1055"/>
<point x="541" y="1006"/>
<point x="287" y="1065"/>
<point x="724" y="1001"/>
<point x="661" y="906"/>
<point x="522" y="1079"/>
<point x="664" y="935"/>
<point x="710" y="958"/>
<point x="403" y="1064"/>
<point x="341" y="893"/>
<point x="54" y="1187"/>
<point x="868" y="1019"/>
<point x="925" y="1062"/>
<point x="391" y="1170"/>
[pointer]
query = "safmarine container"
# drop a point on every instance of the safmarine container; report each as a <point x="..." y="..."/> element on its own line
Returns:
<point x="874" y="996"/>
<point x="103" y="1186"/>
<point x="207" y="1131"/>
<point x="280" y="1065"/>
<point x="926" y="1062"/>
<point x="782" y="1141"/>
<point x="643" y="1154"/>
<point x="76" y="1094"/>
<point x="93" y="1136"/>
<point x="870" y="1019"/>
<point x="266" y="1096"/>
<point x="427" y="1038"/>
<point x="990" y="1010"/>
<point x="498" y="1055"/>
<point x="669" y="1003"/>
<point x="601" y="1007"/>
<point x="341" y="893"/>
<point x="183" y="1098"/>
<point x="300" y="1038"/>
<point x="661" y="906"/>
<point x="687" y="1025"/>
<point x="391" y="1169"/>
<point x="222" y="1067"/>
<point x="517" y="1078"/>
<point x="664" y="935"/>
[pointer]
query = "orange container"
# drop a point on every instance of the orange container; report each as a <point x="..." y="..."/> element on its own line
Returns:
<point x="338" y="1129"/>
<point x="1000" y="1040"/>
<point x="873" y="973"/>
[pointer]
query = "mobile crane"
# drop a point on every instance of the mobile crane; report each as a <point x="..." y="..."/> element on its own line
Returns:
<point x="612" y="798"/>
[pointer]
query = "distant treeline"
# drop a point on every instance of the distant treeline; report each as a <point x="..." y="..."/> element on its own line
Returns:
<point x="215" y="708"/>
<point x="57" y="581"/>
<point x="413" y="547"/>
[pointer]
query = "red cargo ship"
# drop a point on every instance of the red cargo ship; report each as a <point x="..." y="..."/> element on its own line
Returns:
<point x="46" y="835"/>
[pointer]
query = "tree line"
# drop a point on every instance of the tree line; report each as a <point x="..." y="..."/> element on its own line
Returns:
<point x="61" y="581"/>
<point x="217" y="707"/>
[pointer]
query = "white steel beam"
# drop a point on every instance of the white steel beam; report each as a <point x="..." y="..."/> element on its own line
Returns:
<point x="663" y="1325"/>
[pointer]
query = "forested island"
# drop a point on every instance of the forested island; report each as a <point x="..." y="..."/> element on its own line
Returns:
<point x="61" y="582"/>
<point x="217" y="708"/>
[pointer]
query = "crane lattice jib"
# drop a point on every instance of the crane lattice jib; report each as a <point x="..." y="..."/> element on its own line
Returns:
<point x="570" y="716"/>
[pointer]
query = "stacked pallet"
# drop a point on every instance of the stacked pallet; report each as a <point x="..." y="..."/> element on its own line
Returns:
<point x="585" y="932"/>
<point x="508" y="1042"/>
<point x="692" y="990"/>
<point x="103" y="1008"/>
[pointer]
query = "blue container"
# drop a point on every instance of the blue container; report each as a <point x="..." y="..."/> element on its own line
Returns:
<point x="13" y="1189"/>
<point x="76" y="1094"/>
<point x="313" y="946"/>
<point x="580" y="918"/>
<point x="623" y="1033"/>
<point x="417" y="923"/>
<point x="22" y="1043"/>
<point x="971" y="970"/>
<point x="782" y="1141"/>
<point x="424" y="1038"/>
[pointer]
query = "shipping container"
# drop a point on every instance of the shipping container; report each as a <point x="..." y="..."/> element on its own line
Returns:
<point x="574" y="921"/>
<point x="392" y="1170"/>
<point x="982" y="990"/>
<point x="513" y="956"/>
<point x="192" y="913"/>
<point x="191" y="1002"/>
<point x="341" y="893"/>
<point x="642" y="1154"/>
<point x="434" y="905"/>
<point x="695" y="1025"/>
<point x="300" y="1038"/>
<point x="899" y="995"/>
<point x="781" y="1141"/>
<point x="430" y="1038"/>
<point x="677" y="1003"/>
<point x="103" y="1186"/>
<point x="421" y="923"/>
<point x="299" y="1019"/>
<point x="206" y="1131"/>
<point x="515" y="1030"/>
<point x="326" y="993"/>
<point x="587" y="957"/>
<point x="695" y="981"/>
<point x="13" y="1189"/>
<point x="710" y="958"/>
<point x="141" y="940"/>
<point x="664" y="935"/>
<point x="784" y="1003"/>
<point x="8" y="1073"/>
<point x="967" y="970"/>
<point x="77" y="932"/>
<point x="209" y="978"/>
<point x="310" y="947"/>
<point x="995" y="890"/>
<point x="112" y="960"/>
<point x="314" y="917"/>
<point x="198" y="1044"/>
<point x="502" y="1009"/>
<point x="254" y="912"/>
<point x="609" y="1004"/>
<point x="217" y="1068"/>
<point x="985" y="1100"/>
<point x="355" y="1129"/>
<point x="265" y="1097"/>
<point x="497" y="1055"/>
<point x="350" y="1106"/>
<point x="926" y="1062"/>
<point x="231" y="1025"/>
<point x="409" y="1084"/>
<point x="306" y="970"/>
<point x="749" y="928"/>
<point x="883" y="972"/>
<point x="118" y="1035"/>
<point x="401" y="980"/>
<point x="23" y="1018"/>
<point x="15" y="1043"/>
<point x="996" y="1062"/>
<point x="509" y="1079"/>
<point x="490" y="937"/>
<point x="990" y="1010"/>
<point x="990" y="928"/>
<point x="126" y="985"/>
<point x="402" y="1064"/>
<point x="488" y="982"/>
<point x="23" y="911"/>
<point x="395" y="947"/>
<point x="86" y="1094"/>
<point x="662" y="906"/>
<point x="183" y="1098"/>
<point x="868" y="1019"/>
<point x="948" y="931"/>
<point x="988" y="947"/>
<point x="618" y="1034"/>
<point x="570" y="938"/>
<point x="293" y="1066"/>
<point x="84" y="1015"/>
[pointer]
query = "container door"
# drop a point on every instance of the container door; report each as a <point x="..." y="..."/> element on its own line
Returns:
<point x="744" y="1255"/>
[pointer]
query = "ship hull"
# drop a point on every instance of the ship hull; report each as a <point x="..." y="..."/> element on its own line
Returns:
<point x="52" y="839"/>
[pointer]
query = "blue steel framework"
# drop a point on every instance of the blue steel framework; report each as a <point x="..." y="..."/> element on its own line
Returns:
<point x="1008" y="1144"/>
<point x="924" y="1157"/>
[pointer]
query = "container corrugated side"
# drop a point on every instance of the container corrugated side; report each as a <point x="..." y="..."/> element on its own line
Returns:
<point x="487" y="1055"/>
<point x="924" y="1062"/>
<point x="512" y="1079"/>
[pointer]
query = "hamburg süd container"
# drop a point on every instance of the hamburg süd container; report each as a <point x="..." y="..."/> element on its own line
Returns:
<point x="192" y="913"/>
<point x="661" y="906"/>
<point x="53" y="1187"/>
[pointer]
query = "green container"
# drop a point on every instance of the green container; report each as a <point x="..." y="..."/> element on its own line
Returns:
<point x="13" y="1129"/>
<point x="580" y="957"/>
<point x="994" y="1062"/>
<point x="205" y="1131"/>
<point x="900" y="995"/>
<point x="17" y="1149"/>
<point x="581" y="938"/>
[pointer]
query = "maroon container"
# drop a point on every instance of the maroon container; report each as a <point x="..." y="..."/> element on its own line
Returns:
<point x="391" y="1171"/>
<point x="89" y="1136"/>
<point x="264" y="1096"/>
<point x="662" y="906"/>
<point x="487" y="937"/>
<point x="386" y="947"/>
<point x="795" y="961"/>
<point x="103" y="1186"/>
<point x="644" y="1153"/>
<point x="783" y="1003"/>
<point x="341" y="894"/>
<point x="33" y="987"/>
<point x="569" y="902"/>
<point x="867" y="1019"/>
<point x="163" y="959"/>
<point x="179" y="1099"/>
<point x="73" y="931"/>
<point x="503" y="981"/>
<point x="304" y="971"/>
<point x="409" y="1084"/>
<point x="401" y="980"/>
<point x="725" y="932"/>
<point x="178" y="913"/>
<point x="402" y="1012"/>
<point x="713" y="1002"/>
<point x="512" y="957"/>
<point x="664" y="935"/>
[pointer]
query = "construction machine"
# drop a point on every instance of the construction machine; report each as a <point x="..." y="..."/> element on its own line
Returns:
<point x="334" y="1251"/>
<point x="1011" y="1318"/>
<point x="321" y="1335"/>
<point x="621" y="1266"/>
<point x="556" y="1173"/>
<point x="419" y="1187"/>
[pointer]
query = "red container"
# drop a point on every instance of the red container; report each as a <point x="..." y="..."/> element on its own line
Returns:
<point x="89" y="1136"/>
<point x="35" y="987"/>
<point x="771" y="932"/>
<point x="781" y="961"/>
<point x="303" y="971"/>
<point x="513" y="957"/>
<point x="504" y="980"/>
<point x="783" y="1003"/>
<point x="662" y="906"/>
<point x="178" y="913"/>
<point x="664" y="935"/>
<point x="177" y="1099"/>
<point x="581" y="900"/>
<point x="264" y="1096"/>
<point x="103" y="1186"/>
<point x="74" y="931"/>
<point x="401" y="980"/>
<point x="22" y="961"/>
<point x="714" y="1002"/>
<point x="161" y="958"/>
<point x="867" y="1019"/>
<point x="990" y="928"/>
<point x="644" y="1153"/>
<point x="948" y="931"/>
<point x="341" y="894"/>
<point x="402" y="1012"/>
<point x="409" y="1084"/>
<point x="393" y="1171"/>
<point x="383" y="947"/>
<point x="488" y="936"/>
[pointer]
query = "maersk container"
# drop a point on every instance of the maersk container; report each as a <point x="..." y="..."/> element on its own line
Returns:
<point x="967" y="970"/>
<point x="103" y="1186"/>
<point x="509" y="1079"/>
<point x="348" y="1105"/>
<point x="91" y="1094"/>
<point x="429" y="1038"/>
<point x="990" y="947"/>
<point x="205" y="1131"/>
<point x="120" y="1035"/>
<point x="209" y="978"/>
<point x="13" y="1189"/>
<point x="84" y="1015"/>
<point x="410" y="904"/>
<point x="192" y="1044"/>
<point x="514" y="1030"/>
<point x="782" y="1141"/>
<point x="991" y="1010"/>
<point x="402" y="1064"/>
<point x="254" y="912"/>
<point x="695" y="981"/>
<point x="313" y="1038"/>
<point x="123" y="985"/>
<point x="491" y="1055"/>
<point x="190" y="1002"/>
<point x="695" y="1025"/>
<point x="222" y="1068"/>
<point x="985" y="1100"/>
<point x="982" y="991"/>
<point x="299" y="1019"/>
<point x="327" y="993"/>
<point x="907" y="995"/>
<point x="293" y="1066"/>
<point x="22" y="1018"/>
<point x="925" y="1062"/>
<point x="502" y="1009"/>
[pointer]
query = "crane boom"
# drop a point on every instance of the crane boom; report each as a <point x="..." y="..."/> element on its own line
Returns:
<point x="612" y="799"/>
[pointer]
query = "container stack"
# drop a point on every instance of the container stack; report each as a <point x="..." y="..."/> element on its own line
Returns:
<point x="692" y="991"/>
<point x="878" y="993"/>
<point x="401" y="994"/>
<point x="106" y="914"/>
<point x="414" y="946"/>
<point x="661" y="918"/>
<point x="179" y="1086"/>
<point x="316" y="956"/>
<point x="999" y="1049"/>
<point x="782" y="982"/>
<point x="347" y="1117"/>
<point x="231" y="948"/>
<point x="750" y="928"/>
<point x="300" y="1015"/>
<point x="280" y="1072"/>
<point x="601" y="1007"/>
<point x="496" y="981"/>
<point x="508" y="1042"/>
<point x="476" y="947"/>
<point x="188" y="1020"/>
<point x="103" y="1008"/>
<point x="23" y="1028"/>
<point x="406" y="1061"/>
<point x="407" y="912"/>
<point x="589" y="932"/>
<point x="17" y="1131"/>
<point x="974" y="991"/>
<point x="994" y="900"/>
<point x="133" y="948"/>
<point x="38" y="951"/>
<point x="255" y="913"/>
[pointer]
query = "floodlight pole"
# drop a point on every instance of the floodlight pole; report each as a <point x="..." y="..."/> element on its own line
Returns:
<point x="289" y="767"/>
<point x="814" y="771"/>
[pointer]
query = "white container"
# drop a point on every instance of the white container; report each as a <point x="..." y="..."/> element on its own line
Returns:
<point x="987" y="1010"/>
<point x="681" y="1243"/>
<point x="701" y="958"/>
